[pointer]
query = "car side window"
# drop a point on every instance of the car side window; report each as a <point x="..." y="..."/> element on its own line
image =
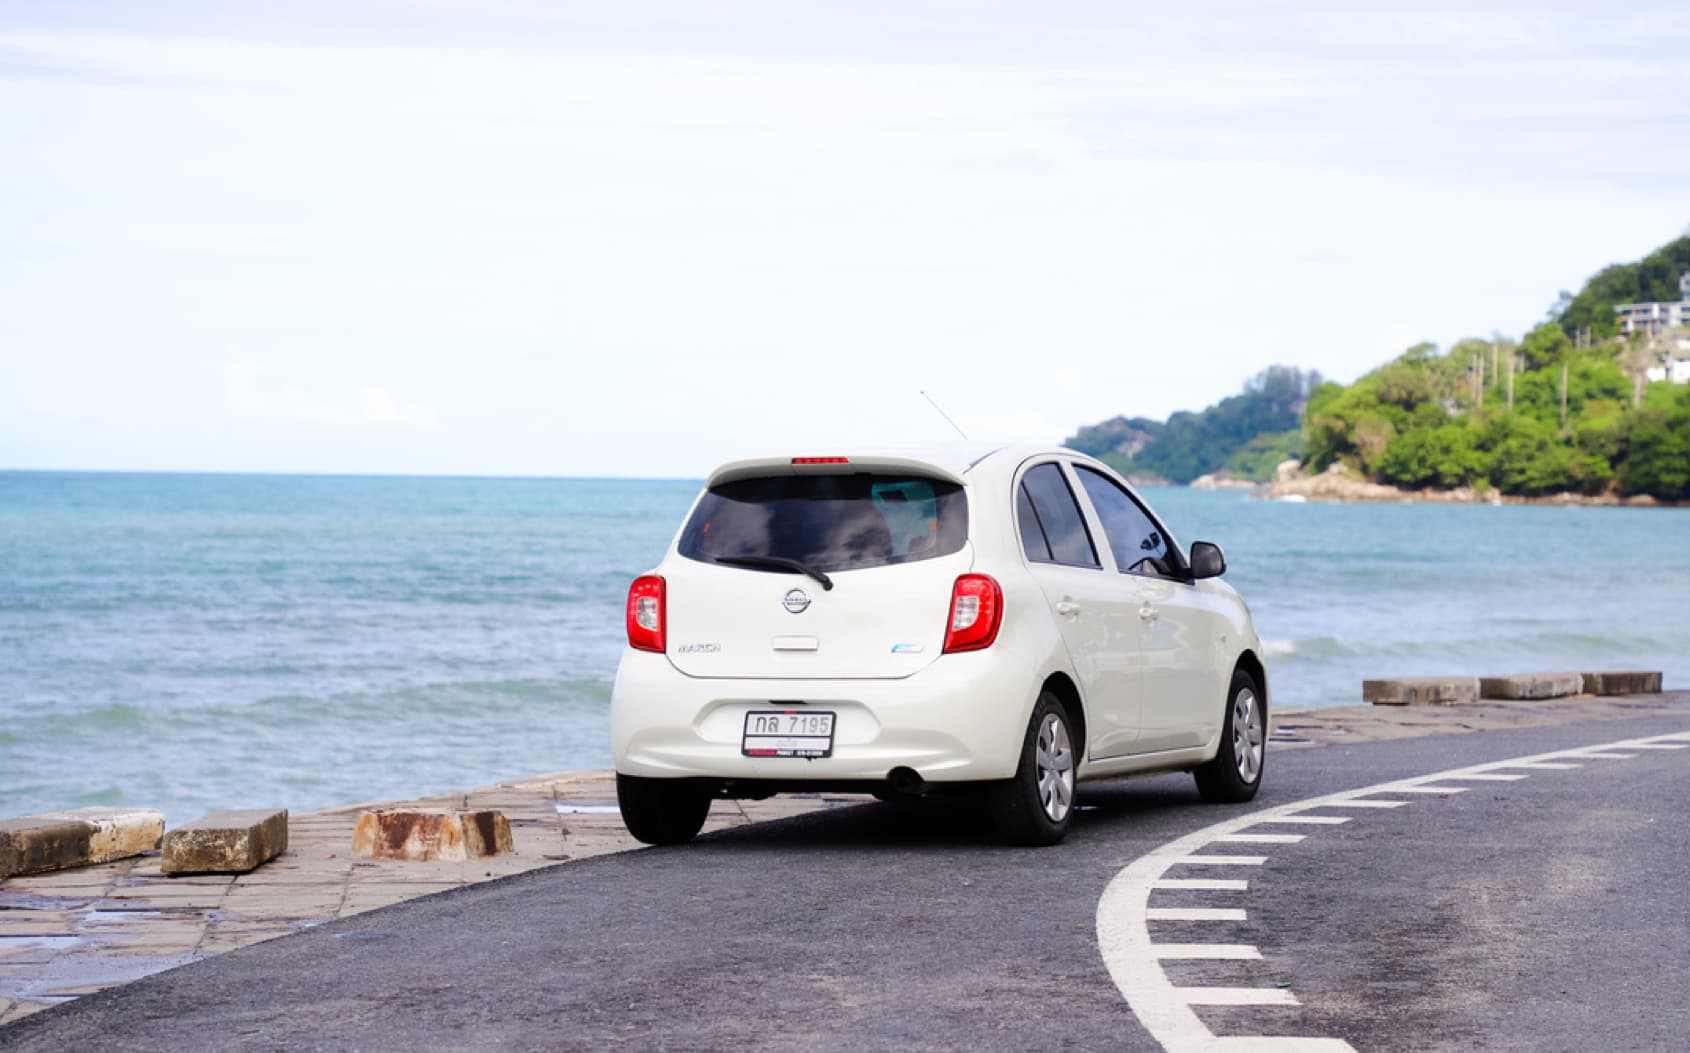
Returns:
<point x="1047" y="501"/>
<point x="1138" y="544"/>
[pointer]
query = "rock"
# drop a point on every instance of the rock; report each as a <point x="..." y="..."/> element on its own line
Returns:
<point x="230" y="842"/>
<point x="1532" y="685"/>
<point x="1220" y="481"/>
<point x="1420" y="690"/>
<point x="1335" y="484"/>
<point x="79" y="837"/>
<point x="431" y="833"/>
<point x="1289" y="471"/>
<point x="1623" y="682"/>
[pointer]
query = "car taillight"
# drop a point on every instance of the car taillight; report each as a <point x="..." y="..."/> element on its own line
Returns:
<point x="976" y="613"/>
<point x="821" y="460"/>
<point x="646" y="615"/>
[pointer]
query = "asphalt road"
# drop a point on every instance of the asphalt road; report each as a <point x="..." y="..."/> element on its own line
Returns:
<point x="1547" y="912"/>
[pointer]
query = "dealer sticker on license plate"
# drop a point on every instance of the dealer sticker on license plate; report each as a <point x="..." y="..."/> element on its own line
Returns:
<point x="788" y="733"/>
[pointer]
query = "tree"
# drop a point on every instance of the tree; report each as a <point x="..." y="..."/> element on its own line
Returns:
<point x="1444" y="456"/>
<point x="1527" y="457"/>
<point x="1658" y="456"/>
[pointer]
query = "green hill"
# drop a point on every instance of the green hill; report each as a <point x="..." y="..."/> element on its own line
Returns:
<point x="1653" y="279"/>
<point x="1569" y="409"/>
<point x="1245" y="435"/>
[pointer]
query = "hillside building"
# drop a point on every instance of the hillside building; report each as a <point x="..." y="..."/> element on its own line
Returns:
<point x="1677" y="370"/>
<point x="1653" y="318"/>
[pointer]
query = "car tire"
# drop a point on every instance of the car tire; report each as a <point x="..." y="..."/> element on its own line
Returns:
<point x="662" y="811"/>
<point x="1236" y="772"/>
<point x="1037" y="806"/>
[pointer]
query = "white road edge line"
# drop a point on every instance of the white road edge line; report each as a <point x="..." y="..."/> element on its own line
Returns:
<point x="1124" y="912"/>
<point x="1221" y="861"/>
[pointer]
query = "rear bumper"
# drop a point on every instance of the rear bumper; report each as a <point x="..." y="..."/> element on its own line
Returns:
<point x="962" y="718"/>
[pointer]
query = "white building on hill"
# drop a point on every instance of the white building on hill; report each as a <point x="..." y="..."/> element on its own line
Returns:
<point x="1677" y="371"/>
<point x="1652" y="318"/>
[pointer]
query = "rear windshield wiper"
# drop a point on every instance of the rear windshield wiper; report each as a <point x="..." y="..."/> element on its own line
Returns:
<point x="791" y="566"/>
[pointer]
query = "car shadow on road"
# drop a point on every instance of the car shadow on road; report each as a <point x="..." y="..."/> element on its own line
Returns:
<point x="956" y="820"/>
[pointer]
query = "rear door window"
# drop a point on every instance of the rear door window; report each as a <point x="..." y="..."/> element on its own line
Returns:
<point x="829" y="522"/>
<point x="1052" y="529"/>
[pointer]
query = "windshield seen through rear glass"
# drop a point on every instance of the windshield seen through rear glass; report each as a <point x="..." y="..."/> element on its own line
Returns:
<point x="829" y="522"/>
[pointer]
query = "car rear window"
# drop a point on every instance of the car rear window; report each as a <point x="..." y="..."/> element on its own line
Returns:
<point x="829" y="522"/>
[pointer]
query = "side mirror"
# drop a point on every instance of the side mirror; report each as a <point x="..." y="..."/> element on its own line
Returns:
<point x="1207" y="560"/>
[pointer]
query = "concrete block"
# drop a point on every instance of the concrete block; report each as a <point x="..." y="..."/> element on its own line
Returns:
<point x="79" y="837"/>
<point x="230" y="842"/>
<point x="1623" y="682"/>
<point x="1532" y="685"/>
<point x="431" y="833"/>
<point x="1420" y="690"/>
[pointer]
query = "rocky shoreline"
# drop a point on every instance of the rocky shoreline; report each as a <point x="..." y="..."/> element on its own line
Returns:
<point x="1340" y="484"/>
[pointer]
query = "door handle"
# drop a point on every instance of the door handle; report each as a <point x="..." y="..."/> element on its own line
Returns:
<point x="1067" y="607"/>
<point x="1147" y="612"/>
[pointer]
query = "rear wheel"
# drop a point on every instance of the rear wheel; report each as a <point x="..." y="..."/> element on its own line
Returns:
<point x="662" y="811"/>
<point x="1037" y="806"/>
<point x="1236" y="772"/>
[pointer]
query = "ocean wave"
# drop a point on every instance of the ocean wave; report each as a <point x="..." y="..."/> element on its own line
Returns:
<point x="1315" y="647"/>
<point x="299" y="711"/>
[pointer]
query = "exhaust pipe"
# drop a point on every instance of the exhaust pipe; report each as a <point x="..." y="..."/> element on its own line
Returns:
<point x="907" y="781"/>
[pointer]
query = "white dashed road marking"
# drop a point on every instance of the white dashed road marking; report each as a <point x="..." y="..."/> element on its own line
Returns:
<point x="1124" y="913"/>
<point x="1224" y="861"/>
<point x="1310" y="820"/>
<point x="1259" y="839"/>
<point x="1236" y="952"/>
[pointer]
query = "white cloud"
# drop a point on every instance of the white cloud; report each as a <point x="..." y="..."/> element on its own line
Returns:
<point x="372" y="408"/>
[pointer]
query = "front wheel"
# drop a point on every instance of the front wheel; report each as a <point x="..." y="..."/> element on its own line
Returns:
<point x="1236" y="772"/>
<point x="662" y="811"/>
<point x="1037" y="806"/>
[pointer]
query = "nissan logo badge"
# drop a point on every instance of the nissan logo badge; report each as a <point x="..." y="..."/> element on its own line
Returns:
<point x="796" y="600"/>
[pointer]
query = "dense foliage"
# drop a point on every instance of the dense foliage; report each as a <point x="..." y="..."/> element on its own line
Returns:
<point x="1576" y="420"/>
<point x="1245" y="434"/>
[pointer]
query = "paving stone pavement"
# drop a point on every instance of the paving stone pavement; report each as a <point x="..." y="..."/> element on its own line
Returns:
<point x="72" y="932"/>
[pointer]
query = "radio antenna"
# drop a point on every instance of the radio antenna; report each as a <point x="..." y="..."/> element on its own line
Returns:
<point x="943" y="414"/>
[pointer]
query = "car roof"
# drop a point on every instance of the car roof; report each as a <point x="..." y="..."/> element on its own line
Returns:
<point x="963" y="462"/>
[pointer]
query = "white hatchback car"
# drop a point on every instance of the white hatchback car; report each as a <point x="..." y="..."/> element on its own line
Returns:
<point x="1015" y="618"/>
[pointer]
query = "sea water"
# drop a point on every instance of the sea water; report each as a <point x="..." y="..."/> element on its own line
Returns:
<point x="193" y="642"/>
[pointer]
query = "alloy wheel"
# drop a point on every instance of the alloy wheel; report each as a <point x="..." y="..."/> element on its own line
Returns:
<point x="1247" y="738"/>
<point x="1054" y="755"/>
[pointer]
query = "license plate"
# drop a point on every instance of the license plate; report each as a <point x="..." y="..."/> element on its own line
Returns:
<point x="788" y="733"/>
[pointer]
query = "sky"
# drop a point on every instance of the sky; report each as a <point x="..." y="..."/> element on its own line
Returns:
<point x="527" y="237"/>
